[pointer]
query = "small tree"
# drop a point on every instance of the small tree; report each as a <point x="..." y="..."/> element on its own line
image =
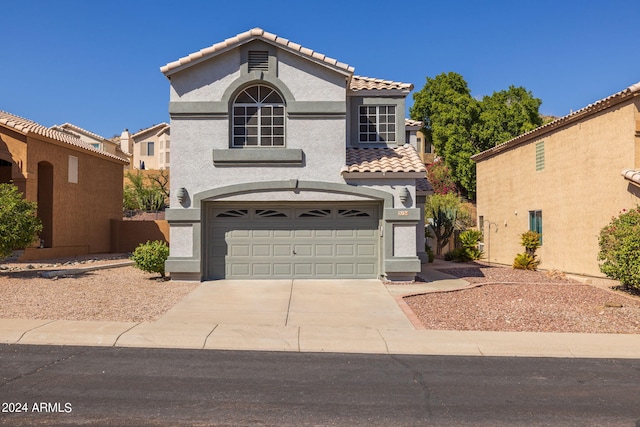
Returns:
<point x="620" y="249"/>
<point x="19" y="224"/>
<point x="447" y="213"/>
<point x="531" y="241"/>
<point x="150" y="257"/>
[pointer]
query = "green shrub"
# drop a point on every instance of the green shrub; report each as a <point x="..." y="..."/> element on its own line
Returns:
<point x="525" y="261"/>
<point x="150" y="257"/>
<point x="531" y="241"/>
<point x="19" y="224"/>
<point x="620" y="249"/>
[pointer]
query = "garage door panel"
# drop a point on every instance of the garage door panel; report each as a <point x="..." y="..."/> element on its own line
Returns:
<point x="261" y="250"/>
<point x="322" y="243"/>
<point x="261" y="270"/>
<point x="345" y="250"/>
<point x="239" y="250"/>
<point x="324" y="270"/>
<point x="324" y="250"/>
<point x="282" y="250"/>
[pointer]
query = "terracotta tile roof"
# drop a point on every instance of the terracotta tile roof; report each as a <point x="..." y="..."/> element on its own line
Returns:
<point x="632" y="175"/>
<point x="423" y="185"/>
<point x="255" y="33"/>
<point x="367" y="83"/>
<point x="156" y="129"/>
<point x="25" y="127"/>
<point x="602" y="104"/>
<point x="388" y="159"/>
<point x="413" y="123"/>
<point x="78" y="129"/>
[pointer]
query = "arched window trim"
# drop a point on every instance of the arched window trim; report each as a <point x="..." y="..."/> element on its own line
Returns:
<point x="258" y="117"/>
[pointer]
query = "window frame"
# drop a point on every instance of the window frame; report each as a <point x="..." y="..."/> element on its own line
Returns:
<point x="377" y="132"/>
<point x="535" y="222"/>
<point x="268" y="127"/>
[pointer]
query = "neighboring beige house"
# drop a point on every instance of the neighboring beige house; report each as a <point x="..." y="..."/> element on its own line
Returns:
<point x="90" y="138"/>
<point x="78" y="187"/>
<point x="150" y="148"/>
<point x="565" y="179"/>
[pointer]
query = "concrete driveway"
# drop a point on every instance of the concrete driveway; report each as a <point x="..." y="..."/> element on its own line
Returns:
<point x="297" y="302"/>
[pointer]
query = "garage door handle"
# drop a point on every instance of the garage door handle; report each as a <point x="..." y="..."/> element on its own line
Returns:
<point x="294" y="252"/>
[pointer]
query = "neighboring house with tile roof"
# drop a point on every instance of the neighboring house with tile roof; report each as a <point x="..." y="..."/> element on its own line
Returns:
<point x="287" y="165"/>
<point x="566" y="179"/>
<point x="78" y="187"/>
<point x="91" y="138"/>
<point x="150" y="148"/>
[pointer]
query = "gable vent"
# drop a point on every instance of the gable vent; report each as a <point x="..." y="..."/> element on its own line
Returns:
<point x="258" y="60"/>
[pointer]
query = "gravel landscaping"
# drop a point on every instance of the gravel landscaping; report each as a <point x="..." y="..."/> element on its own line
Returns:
<point x="504" y="299"/>
<point x="115" y="294"/>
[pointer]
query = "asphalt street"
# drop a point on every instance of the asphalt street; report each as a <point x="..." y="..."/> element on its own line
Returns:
<point x="56" y="385"/>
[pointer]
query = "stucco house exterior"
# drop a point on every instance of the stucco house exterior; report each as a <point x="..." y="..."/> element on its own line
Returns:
<point x="565" y="179"/>
<point x="78" y="187"/>
<point x="150" y="148"/>
<point x="287" y="165"/>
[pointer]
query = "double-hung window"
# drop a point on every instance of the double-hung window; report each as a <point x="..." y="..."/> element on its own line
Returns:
<point x="377" y="123"/>
<point x="258" y="118"/>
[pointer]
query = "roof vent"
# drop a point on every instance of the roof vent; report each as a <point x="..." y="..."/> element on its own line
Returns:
<point x="258" y="60"/>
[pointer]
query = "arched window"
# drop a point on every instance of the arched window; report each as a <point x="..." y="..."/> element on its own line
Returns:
<point x="258" y="118"/>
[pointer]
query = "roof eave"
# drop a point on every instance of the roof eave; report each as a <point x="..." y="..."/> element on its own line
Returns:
<point x="587" y="111"/>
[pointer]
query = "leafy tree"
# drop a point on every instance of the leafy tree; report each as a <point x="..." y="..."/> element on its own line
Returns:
<point x="447" y="213"/>
<point x="449" y="113"/>
<point x="505" y="115"/>
<point x="460" y="126"/>
<point x="19" y="224"/>
<point x="620" y="249"/>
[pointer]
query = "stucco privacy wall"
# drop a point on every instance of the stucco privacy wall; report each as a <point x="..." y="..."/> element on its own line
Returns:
<point x="578" y="191"/>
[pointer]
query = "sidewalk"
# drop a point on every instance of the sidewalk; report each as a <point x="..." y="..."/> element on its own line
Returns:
<point x="363" y="316"/>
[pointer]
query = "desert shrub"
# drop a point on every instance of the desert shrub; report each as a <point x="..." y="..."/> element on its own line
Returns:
<point x="139" y="195"/>
<point x="531" y="241"/>
<point x="19" y="224"/>
<point x="440" y="178"/>
<point x="524" y="261"/>
<point x="619" y="243"/>
<point x="150" y="257"/>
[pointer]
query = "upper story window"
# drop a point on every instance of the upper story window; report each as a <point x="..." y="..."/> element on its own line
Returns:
<point x="258" y="118"/>
<point x="377" y="123"/>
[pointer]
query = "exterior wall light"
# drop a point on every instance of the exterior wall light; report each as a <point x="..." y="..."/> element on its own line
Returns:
<point x="181" y="194"/>
<point x="404" y="194"/>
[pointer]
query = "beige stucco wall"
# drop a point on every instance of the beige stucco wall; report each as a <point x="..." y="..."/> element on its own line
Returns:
<point x="82" y="211"/>
<point x="578" y="191"/>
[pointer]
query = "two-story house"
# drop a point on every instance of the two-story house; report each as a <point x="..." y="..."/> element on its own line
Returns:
<point x="149" y="148"/>
<point x="565" y="180"/>
<point x="287" y="165"/>
<point x="96" y="141"/>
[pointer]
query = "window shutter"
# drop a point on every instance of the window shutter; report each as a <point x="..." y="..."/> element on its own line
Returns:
<point x="258" y="60"/>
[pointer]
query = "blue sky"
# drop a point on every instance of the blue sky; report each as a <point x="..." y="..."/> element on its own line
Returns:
<point x="96" y="63"/>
